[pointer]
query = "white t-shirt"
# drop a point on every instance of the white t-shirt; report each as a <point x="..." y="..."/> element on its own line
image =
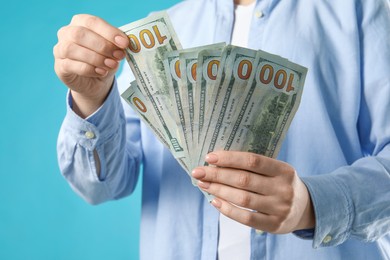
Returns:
<point x="234" y="238"/>
<point x="243" y="15"/>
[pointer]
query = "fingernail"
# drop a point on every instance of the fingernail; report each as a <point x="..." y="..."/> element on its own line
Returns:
<point x="216" y="203"/>
<point x="101" y="71"/>
<point x="198" y="173"/>
<point x="203" y="184"/>
<point x="110" y="63"/>
<point x="119" y="54"/>
<point x="121" y="41"/>
<point x="211" y="158"/>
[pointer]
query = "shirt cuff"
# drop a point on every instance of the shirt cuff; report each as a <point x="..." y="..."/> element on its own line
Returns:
<point x="333" y="210"/>
<point x="98" y="127"/>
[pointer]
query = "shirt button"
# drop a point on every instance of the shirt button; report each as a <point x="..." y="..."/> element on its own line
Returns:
<point x="327" y="239"/>
<point x="259" y="14"/>
<point x="89" y="135"/>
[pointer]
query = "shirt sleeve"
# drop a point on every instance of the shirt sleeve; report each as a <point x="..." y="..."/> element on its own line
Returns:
<point x="104" y="133"/>
<point x="353" y="201"/>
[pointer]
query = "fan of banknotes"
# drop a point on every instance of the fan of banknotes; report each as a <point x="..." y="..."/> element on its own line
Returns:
<point x="214" y="97"/>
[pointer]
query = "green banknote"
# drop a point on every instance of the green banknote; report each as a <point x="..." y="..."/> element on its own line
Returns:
<point x="237" y="68"/>
<point x="267" y="106"/>
<point x="211" y="97"/>
<point x="150" y="40"/>
<point x="206" y="75"/>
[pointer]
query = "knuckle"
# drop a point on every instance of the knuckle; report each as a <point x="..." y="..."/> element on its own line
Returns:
<point x="228" y="210"/>
<point x="215" y="176"/>
<point x="288" y="171"/>
<point x="244" y="199"/>
<point x="62" y="31"/>
<point x="85" y="69"/>
<point x="60" y="67"/>
<point x="77" y="33"/>
<point x="102" y="47"/>
<point x="253" y="161"/>
<point x="77" y="18"/>
<point x="243" y="179"/>
<point x="65" y="49"/>
<point x="215" y="189"/>
<point x="90" y="21"/>
<point x="67" y="66"/>
<point x="247" y="218"/>
<point x="97" y="60"/>
<point x="288" y="194"/>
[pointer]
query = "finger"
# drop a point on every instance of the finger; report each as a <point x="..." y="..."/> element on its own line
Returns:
<point x="249" y="161"/>
<point x="249" y="200"/>
<point x="70" y="50"/>
<point x="244" y="180"/>
<point x="255" y="220"/>
<point x="85" y="37"/>
<point x="107" y="31"/>
<point x="66" y="69"/>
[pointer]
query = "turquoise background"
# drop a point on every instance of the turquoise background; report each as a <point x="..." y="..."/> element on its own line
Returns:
<point x="40" y="216"/>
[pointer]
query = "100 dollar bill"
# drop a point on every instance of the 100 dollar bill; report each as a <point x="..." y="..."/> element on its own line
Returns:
<point x="142" y="106"/>
<point x="237" y="67"/>
<point x="206" y="74"/>
<point x="150" y="39"/>
<point x="173" y="73"/>
<point x="188" y="67"/>
<point x="268" y="106"/>
<point x="204" y="99"/>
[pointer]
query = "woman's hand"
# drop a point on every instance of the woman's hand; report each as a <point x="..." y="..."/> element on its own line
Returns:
<point x="86" y="57"/>
<point x="274" y="197"/>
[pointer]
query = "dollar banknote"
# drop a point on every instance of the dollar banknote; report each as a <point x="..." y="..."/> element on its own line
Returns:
<point x="173" y="73"/>
<point x="180" y="80"/>
<point x="206" y="74"/>
<point x="267" y="106"/>
<point x="237" y="68"/>
<point x="150" y="39"/>
<point x="143" y="107"/>
<point x="188" y="60"/>
<point x="211" y="97"/>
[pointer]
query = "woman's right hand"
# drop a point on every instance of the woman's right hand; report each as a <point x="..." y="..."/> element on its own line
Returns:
<point x="86" y="57"/>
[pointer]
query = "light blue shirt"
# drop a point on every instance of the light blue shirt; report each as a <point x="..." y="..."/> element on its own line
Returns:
<point x="338" y="142"/>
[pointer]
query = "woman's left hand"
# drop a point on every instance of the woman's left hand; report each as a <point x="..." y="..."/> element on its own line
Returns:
<point x="278" y="200"/>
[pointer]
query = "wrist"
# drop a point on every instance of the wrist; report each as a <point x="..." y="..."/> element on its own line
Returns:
<point x="307" y="220"/>
<point x="85" y="105"/>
